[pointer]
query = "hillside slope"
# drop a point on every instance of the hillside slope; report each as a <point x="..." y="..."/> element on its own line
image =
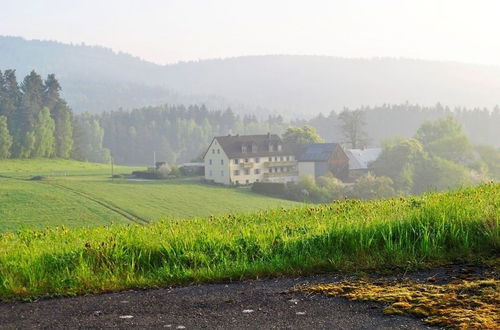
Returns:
<point x="96" y="79"/>
<point x="347" y="235"/>
<point x="79" y="194"/>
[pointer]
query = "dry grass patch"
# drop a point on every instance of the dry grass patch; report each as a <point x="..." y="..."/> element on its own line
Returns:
<point x="461" y="304"/>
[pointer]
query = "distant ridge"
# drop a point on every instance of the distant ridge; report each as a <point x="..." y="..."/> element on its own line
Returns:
<point x="96" y="79"/>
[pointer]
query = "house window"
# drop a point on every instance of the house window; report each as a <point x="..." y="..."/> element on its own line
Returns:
<point x="210" y="161"/>
<point x="257" y="171"/>
<point x="256" y="180"/>
<point x="237" y="182"/>
<point x="213" y="151"/>
<point x="270" y="159"/>
<point x="247" y="172"/>
<point x="218" y="151"/>
<point x="246" y="160"/>
<point x="222" y="173"/>
<point x="270" y="170"/>
<point x="243" y="149"/>
<point x="236" y="172"/>
<point x="248" y="181"/>
<point x="210" y="173"/>
<point x="222" y="161"/>
<point x="276" y="159"/>
<point x="236" y="160"/>
<point x="281" y="158"/>
<point x="257" y="160"/>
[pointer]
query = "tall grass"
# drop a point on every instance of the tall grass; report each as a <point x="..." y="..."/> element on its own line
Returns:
<point x="348" y="235"/>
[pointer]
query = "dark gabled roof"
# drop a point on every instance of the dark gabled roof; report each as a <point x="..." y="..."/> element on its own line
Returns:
<point x="257" y="145"/>
<point x="317" y="152"/>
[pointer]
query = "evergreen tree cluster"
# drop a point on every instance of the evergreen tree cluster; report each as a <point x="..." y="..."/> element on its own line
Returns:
<point x="35" y="121"/>
<point x="173" y="134"/>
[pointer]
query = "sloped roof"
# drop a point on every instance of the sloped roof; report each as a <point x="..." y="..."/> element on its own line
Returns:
<point x="317" y="152"/>
<point x="360" y="159"/>
<point x="232" y="145"/>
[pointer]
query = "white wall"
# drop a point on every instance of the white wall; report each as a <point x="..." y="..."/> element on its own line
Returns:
<point x="306" y="168"/>
<point x="216" y="164"/>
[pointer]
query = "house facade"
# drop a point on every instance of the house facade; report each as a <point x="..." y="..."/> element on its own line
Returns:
<point x="241" y="160"/>
<point x="319" y="159"/>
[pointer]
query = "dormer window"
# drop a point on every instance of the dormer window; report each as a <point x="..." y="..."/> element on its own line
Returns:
<point x="254" y="148"/>
<point x="244" y="149"/>
<point x="279" y="147"/>
<point x="271" y="149"/>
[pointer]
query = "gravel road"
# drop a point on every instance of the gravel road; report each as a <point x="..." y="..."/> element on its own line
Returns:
<point x="256" y="304"/>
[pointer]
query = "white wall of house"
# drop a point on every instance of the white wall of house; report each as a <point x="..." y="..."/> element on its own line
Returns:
<point x="216" y="164"/>
<point x="307" y="168"/>
<point x="249" y="169"/>
<point x="219" y="168"/>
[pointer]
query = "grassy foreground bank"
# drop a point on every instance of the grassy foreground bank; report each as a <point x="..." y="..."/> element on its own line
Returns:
<point x="343" y="236"/>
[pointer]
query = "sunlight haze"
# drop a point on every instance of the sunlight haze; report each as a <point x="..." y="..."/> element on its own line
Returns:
<point x="171" y="31"/>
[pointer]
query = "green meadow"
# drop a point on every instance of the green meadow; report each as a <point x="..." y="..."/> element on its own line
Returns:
<point x="405" y="233"/>
<point x="76" y="194"/>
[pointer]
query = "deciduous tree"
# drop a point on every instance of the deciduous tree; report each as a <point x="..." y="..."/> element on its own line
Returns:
<point x="297" y="135"/>
<point x="5" y="138"/>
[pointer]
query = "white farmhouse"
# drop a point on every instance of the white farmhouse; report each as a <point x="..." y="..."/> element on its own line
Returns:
<point x="233" y="160"/>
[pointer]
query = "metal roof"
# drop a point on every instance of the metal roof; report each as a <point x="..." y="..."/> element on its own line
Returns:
<point x="360" y="159"/>
<point x="317" y="152"/>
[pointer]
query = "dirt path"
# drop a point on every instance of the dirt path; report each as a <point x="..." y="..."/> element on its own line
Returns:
<point x="258" y="304"/>
<point x="239" y="305"/>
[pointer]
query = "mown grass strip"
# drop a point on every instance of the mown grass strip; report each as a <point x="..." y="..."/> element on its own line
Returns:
<point x="343" y="236"/>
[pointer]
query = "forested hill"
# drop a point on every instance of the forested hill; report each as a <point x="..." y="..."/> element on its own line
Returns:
<point x="97" y="79"/>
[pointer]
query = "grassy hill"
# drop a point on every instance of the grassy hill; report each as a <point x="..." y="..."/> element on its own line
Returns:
<point x="79" y="194"/>
<point x="351" y="235"/>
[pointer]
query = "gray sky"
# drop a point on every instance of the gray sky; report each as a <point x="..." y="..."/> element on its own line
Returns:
<point x="169" y="31"/>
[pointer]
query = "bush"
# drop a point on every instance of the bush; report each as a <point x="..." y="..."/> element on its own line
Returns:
<point x="153" y="174"/>
<point x="176" y="172"/>
<point x="269" y="188"/>
<point x="38" y="178"/>
<point x="371" y="187"/>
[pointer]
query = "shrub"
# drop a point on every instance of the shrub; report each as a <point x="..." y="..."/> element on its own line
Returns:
<point x="269" y="188"/>
<point x="152" y="173"/>
<point x="371" y="187"/>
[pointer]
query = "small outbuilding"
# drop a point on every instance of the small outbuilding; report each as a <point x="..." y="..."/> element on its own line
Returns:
<point x="360" y="160"/>
<point x="319" y="159"/>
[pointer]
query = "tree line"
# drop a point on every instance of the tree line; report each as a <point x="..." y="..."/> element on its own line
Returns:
<point x="174" y="134"/>
<point x="382" y="122"/>
<point x="34" y="120"/>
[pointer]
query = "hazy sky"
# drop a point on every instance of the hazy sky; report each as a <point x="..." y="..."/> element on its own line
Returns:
<point x="170" y="31"/>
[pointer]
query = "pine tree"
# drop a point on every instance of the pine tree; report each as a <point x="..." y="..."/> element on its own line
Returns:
<point x="5" y="138"/>
<point x="11" y="97"/>
<point x="61" y="114"/>
<point x="26" y="117"/>
<point x="2" y="94"/>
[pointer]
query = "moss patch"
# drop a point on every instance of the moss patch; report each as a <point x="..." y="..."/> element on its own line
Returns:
<point x="461" y="304"/>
